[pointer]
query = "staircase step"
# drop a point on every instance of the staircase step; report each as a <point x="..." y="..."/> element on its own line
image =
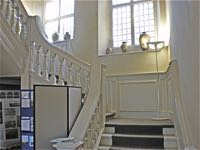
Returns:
<point x="133" y="141"/>
<point x="168" y="131"/>
<point x="137" y="142"/>
<point x="109" y="130"/>
<point x="110" y="115"/>
<point x="135" y="121"/>
<point x="138" y="134"/>
<point x="139" y="129"/>
<point x="132" y="135"/>
<point x="124" y="148"/>
<point x="170" y="142"/>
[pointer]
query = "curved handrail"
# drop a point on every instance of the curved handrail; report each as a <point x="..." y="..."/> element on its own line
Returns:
<point x="92" y="117"/>
<point x="38" y="36"/>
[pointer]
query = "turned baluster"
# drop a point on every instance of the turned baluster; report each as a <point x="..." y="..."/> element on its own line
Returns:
<point x="90" y="137"/>
<point x="23" y="28"/>
<point x="85" y="146"/>
<point x="12" y="18"/>
<point x="69" y="73"/>
<point x="53" y="77"/>
<point x="97" y="119"/>
<point x="32" y="48"/>
<point x="1" y="4"/>
<point x="17" y="25"/>
<point x="78" y="77"/>
<point x="7" y="11"/>
<point x="45" y="74"/>
<point x="87" y="82"/>
<point x="61" y="60"/>
<point x="101" y="112"/>
<point x="37" y="64"/>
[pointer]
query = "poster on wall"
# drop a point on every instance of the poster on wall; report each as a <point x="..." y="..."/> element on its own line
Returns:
<point x="1" y="114"/>
<point x="27" y="120"/>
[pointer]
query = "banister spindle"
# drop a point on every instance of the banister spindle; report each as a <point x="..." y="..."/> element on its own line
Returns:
<point x="69" y="73"/>
<point x="17" y="25"/>
<point x="53" y="77"/>
<point x="1" y="4"/>
<point x="23" y="28"/>
<point x="37" y="63"/>
<point x="78" y="82"/>
<point x="61" y="60"/>
<point x="31" y="53"/>
<point x="87" y="79"/>
<point x="12" y="18"/>
<point x="44" y="68"/>
<point x="7" y="11"/>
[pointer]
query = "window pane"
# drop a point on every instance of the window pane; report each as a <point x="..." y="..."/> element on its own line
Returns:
<point x="50" y="28"/>
<point x="143" y="20"/>
<point x="66" y="25"/>
<point x="121" y="25"/>
<point x="116" y="2"/>
<point x="52" y="10"/>
<point x="67" y="7"/>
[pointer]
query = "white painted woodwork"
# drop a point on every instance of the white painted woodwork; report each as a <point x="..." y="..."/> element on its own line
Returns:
<point x="169" y="104"/>
<point x="137" y="96"/>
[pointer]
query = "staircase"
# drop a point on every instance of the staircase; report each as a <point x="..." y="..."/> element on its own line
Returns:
<point x="138" y="134"/>
<point x="41" y="63"/>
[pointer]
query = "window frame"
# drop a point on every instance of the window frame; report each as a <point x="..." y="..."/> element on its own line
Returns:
<point x="131" y="4"/>
<point x="59" y="18"/>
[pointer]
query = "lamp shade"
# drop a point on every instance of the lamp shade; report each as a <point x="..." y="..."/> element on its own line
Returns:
<point x="144" y="39"/>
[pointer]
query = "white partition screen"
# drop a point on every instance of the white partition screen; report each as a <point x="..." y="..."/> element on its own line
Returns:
<point x="56" y="109"/>
<point x="51" y="115"/>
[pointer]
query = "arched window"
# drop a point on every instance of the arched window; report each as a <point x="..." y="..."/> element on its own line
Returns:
<point x="59" y="17"/>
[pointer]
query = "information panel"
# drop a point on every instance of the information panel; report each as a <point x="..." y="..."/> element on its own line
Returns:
<point x="27" y="126"/>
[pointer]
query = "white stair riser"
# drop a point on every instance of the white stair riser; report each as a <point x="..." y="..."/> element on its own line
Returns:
<point x="168" y="131"/>
<point x="106" y="140"/>
<point x="103" y="148"/>
<point x="109" y="130"/>
<point x="170" y="142"/>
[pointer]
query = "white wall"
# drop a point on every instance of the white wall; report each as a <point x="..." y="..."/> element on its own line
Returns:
<point x="34" y="7"/>
<point x="85" y="44"/>
<point x="7" y="65"/>
<point x="185" y="48"/>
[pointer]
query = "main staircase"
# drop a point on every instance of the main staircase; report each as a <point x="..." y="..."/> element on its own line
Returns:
<point x="41" y="63"/>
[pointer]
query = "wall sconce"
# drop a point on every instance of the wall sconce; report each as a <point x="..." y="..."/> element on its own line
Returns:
<point x="144" y="39"/>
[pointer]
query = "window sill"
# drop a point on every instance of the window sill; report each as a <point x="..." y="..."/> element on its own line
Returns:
<point x="131" y="50"/>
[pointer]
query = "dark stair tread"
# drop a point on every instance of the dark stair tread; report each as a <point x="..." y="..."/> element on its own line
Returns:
<point x="134" y="142"/>
<point x="139" y="129"/>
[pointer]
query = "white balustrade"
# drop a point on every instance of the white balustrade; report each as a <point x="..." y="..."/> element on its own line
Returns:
<point x="37" y="61"/>
<point x="95" y="126"/>
<point x="15" y="17"/>
<point x="7" y="10"/>
<point x="52" y="70"/>
<point x="61" y="60"/>
<point x="1" y="4"/>
<point x="45" y="74"/>
<point x="12" y="18"/>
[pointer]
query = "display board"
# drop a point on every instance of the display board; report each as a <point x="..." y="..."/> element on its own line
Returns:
<point x="27" y="126"/>
<point x="9" y="119"/>
<point x="55" y="110"/>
